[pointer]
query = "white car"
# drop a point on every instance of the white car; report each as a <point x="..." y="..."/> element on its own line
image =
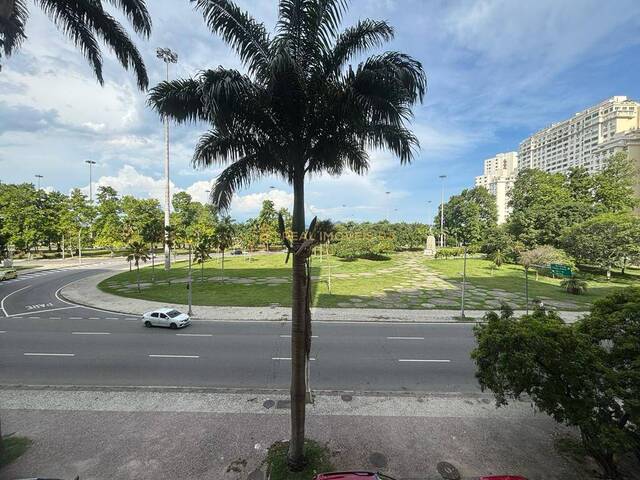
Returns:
<point x="166" y="317"/>
<point x="8" y="274"/>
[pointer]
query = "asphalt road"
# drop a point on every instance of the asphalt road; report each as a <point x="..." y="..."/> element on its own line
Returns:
<point x="45" y="340"/>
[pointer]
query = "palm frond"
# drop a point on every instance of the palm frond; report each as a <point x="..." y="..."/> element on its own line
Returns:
<point x="248" y="37"/>
<point x="137" y="13"/>
<point x="366" y="34"/>
<point x="180" y="100"/>
<point x="400" y="140"/>
<point x="215" y="148"/>
<point x="72" y="25"/>
<point x="13" y="18"/>
<point x="239" y="175"/>
<point x="402" y="69"/>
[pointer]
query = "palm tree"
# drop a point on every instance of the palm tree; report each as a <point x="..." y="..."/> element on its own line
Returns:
<point x="224" y="235"/>
<point x="301" y="110"/>
<point x="137" y="252"/>
<point x="84" y="22"/>
<point x="498" y="258"/>
<point x="574" y="285"/>
<point x="201" y="254"/>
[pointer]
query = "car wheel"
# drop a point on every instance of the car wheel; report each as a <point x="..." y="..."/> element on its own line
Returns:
<point x="173" y="326"/>
<point x="148" y="324"/>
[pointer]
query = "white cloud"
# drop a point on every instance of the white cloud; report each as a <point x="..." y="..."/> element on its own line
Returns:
<point x="250" y="204"/>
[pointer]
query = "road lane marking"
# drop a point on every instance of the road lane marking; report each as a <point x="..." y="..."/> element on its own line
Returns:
<point x="110" y="318"/>
<point x="174" y="356"/>
<point x="90" y="333"/>
<point x="33" y="318"/>
<point x="423" y="360"/>
<point x="289" y="358"/>
<point x="194" y="334"/>
<point x="75" y="318"/>
<point x="289" y="336"/>
<point x="57" y="295"/>
<point x="94" y="318"/>
<point x="7" y="296"/>
<point x="44" y="311"/>
<point x="3" y="331"/>
<point x="50" y="354"/>
<point x="405" y="338"/>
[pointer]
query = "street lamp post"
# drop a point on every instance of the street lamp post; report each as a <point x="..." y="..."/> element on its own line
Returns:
<point x="39" y="177"/>
<point x="167" y="56"/>
<point x="387" y="215"/>
<point x="442" y="177"/>
<point x="190" y="284"/>
<point x="91" y="163"/>
<point x="464" y="269"/>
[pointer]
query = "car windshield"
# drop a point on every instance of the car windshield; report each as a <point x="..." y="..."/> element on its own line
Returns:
<point x="173" y="313"/>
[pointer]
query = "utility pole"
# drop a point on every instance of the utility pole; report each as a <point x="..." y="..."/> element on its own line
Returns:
<point x="442" y="177"/>
<point x="167" y="56"/>
<point x="190" y="285"/>
<point x="387" y="194"/>
<point x="39" y="177"/>
<point x="91" y="163"/>
<point x="464" y="270"/>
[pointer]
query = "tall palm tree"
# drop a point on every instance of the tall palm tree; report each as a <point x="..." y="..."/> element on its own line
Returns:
<point x="224" y="236"/>
<point x="301" y="110"/>
<point x="84" y="22"/>
<point x="201" y="254"/>
<point x="137" y="252"/>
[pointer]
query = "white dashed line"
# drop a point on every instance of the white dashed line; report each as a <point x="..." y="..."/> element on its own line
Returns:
<point x="194" y="335"/>
<point x="94" y="318"/>
<point x="110" y="318"/>
<point x="50" y="354"/>
<point x="90" y="333"/>
<point x="174" y="356"/>
<point x="405" y="338"/>
<point x="75" y="318"/>
<point x="423" y="360"/>
<point x="3" y="331"/>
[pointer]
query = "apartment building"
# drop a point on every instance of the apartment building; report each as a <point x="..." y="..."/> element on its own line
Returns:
<point x="586" y="139"/>
<point x="498" y="177"/>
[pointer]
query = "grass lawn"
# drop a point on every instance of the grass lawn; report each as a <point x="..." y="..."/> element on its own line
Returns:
<point x="407" y="280"/>
<point x="13" y="448"/>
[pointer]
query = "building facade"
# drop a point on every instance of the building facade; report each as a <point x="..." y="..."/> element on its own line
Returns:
<point x="498" y="177"/>
<point x="585" y="140"/>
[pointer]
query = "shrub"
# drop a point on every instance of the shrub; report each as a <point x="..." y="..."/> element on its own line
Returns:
<point x="365" y="247"/>
<point x="448" y="252"/>
<point x="574" y="285"/>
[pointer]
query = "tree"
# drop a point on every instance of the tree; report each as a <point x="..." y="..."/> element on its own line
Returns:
<point x="185" y="212"/>
<point x="574" y="285"/>
<point x="224" y="235"/>
<point x="605" y="241"/>
<point x="268" y="224"/>
<point x="76" y="220"/>
<point x="108" y="224"/>
<point x="468" y="217"/>
<point x="201" y="254"/>
<point x="584" y="375"/>
<point x="613" y="185"/>
<point x="22" y="208"/>
<point x="301" y="110"/>
<point x="83" y="22"/>
<point x="137" y="252"/>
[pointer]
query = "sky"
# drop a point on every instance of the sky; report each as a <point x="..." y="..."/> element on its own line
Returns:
<point x="498" y="70"/>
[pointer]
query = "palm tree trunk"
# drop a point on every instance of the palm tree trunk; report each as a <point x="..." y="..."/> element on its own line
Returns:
<point x="298" y="333"/>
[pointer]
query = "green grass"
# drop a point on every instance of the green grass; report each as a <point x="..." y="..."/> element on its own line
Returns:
<point x="13" y="448"/>
<point x="318" y="459"/>
<point x="482" y="273"/>
<point x="407" y="280"/>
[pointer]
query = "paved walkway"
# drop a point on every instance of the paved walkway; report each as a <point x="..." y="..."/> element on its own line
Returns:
<point x="202" y="435"/>
<point x="86" y="292"/>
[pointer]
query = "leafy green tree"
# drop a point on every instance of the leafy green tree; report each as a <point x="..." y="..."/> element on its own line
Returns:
<point x="137" y="252"/>
<point x="108" y="224"/>
<point x="614" y="184"/>
<point x="300" y="111"/>
<point x="224" y="236"/>
<point x="268" y="221"/>
<point x="249" y="234"/>
<point x="607" y="240"/>
<point x="185" y="212"/>
<point x="23" y="215"/>
<point x="84" y="22"/>
<point x="201" y="254"/>
<point x="468" y="217"/>
<point x="584" y="375"/>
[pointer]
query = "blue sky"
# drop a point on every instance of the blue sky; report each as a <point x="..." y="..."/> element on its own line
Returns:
<point x="498" y="70"/>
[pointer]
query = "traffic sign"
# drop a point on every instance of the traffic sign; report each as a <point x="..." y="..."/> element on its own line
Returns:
<point x="560" y="269"/>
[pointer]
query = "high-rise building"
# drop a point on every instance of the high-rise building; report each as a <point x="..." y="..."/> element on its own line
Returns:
<point x="499" y="174"/>
<point x="586" y="140"/>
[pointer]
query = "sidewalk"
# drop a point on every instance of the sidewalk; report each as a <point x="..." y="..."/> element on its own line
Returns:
<point x="86" y="292"/>
<point x="100" y="434"/>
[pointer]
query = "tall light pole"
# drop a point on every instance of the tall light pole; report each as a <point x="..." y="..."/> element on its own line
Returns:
<point x="39" y="177"/>
<point x="429" y="213"/>
<point x="387" y="194"/>
<point x="91" y="163"/>
<point x="442" y="177"/>
<point x="167" y="56"/>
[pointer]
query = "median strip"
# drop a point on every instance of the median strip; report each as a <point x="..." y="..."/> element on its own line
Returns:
<point x="174" y="356"/>
<point x="49" y="354"/>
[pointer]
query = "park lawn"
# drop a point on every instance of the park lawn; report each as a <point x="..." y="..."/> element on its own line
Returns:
<point x="262" y="280"/>
<point x="483" y="274"/>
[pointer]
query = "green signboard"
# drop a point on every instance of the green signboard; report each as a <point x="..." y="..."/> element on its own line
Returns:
<point x="560" y="270"/>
